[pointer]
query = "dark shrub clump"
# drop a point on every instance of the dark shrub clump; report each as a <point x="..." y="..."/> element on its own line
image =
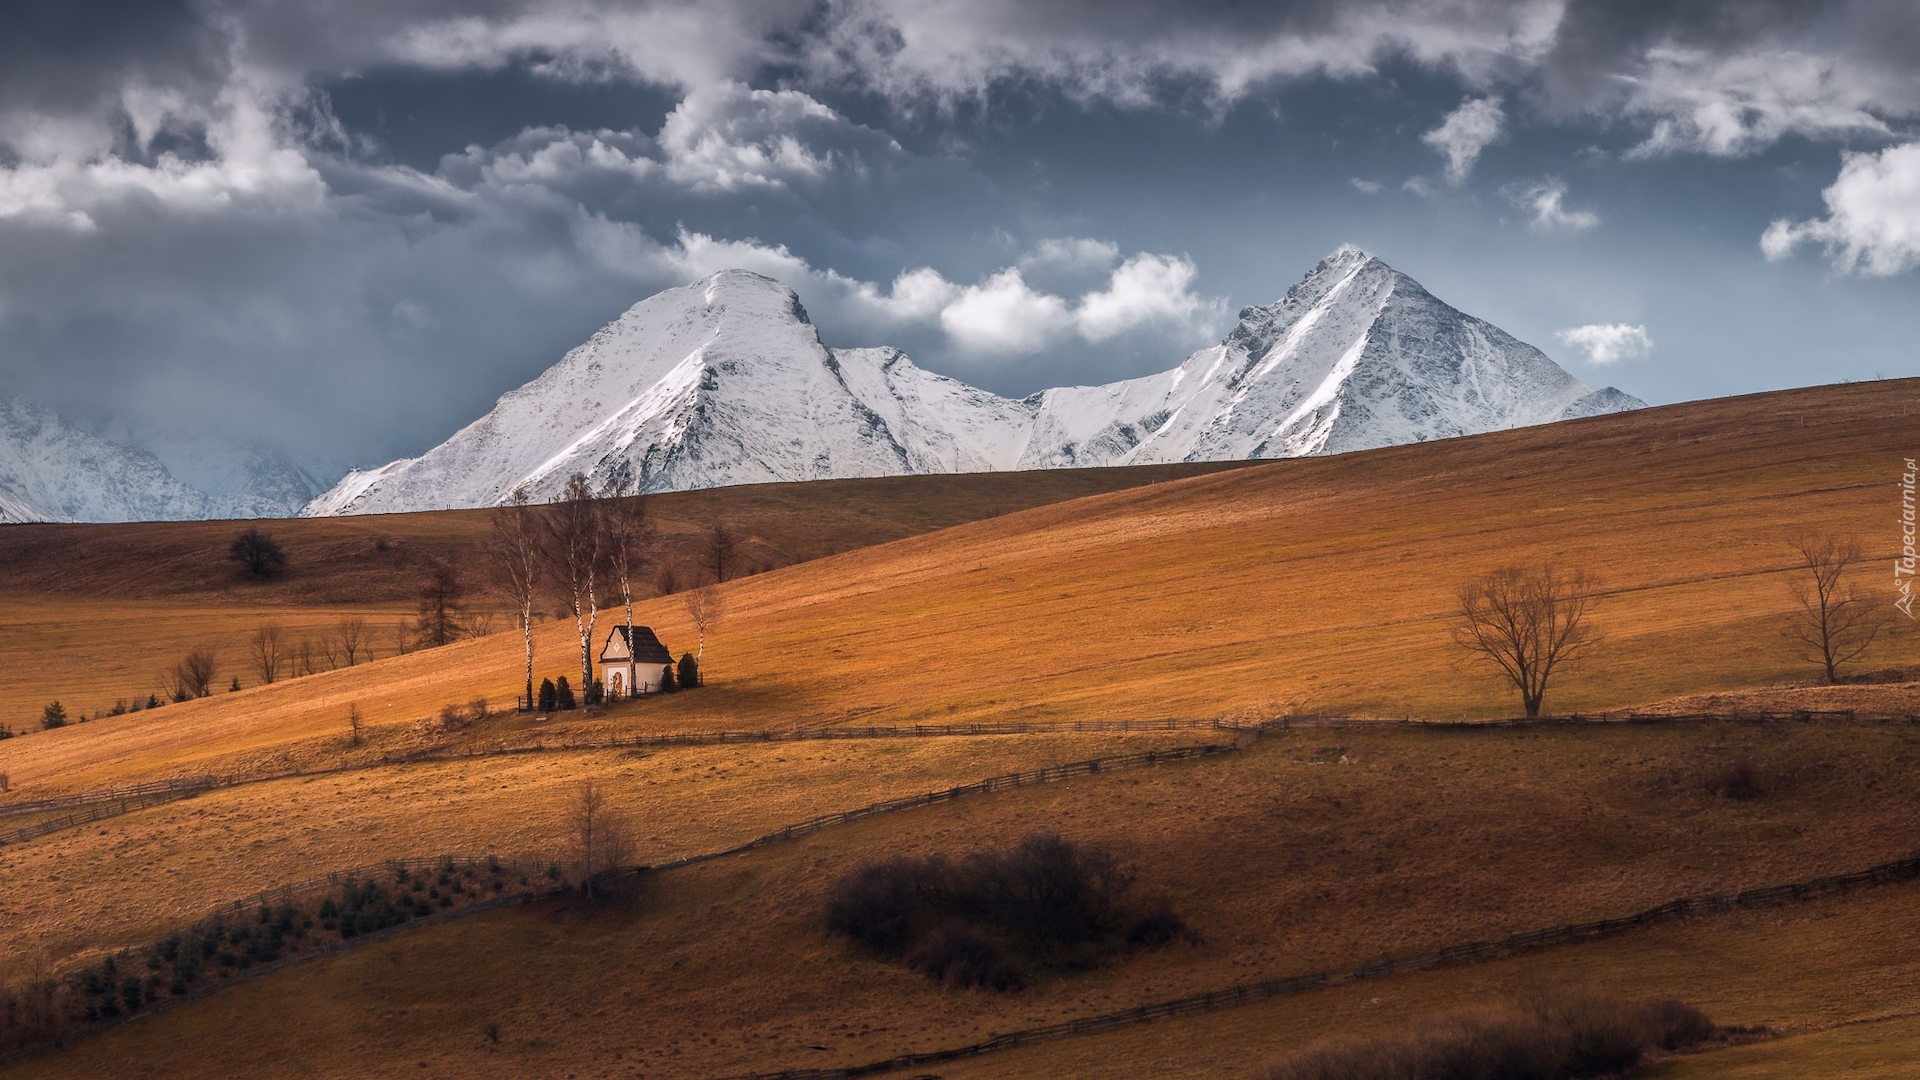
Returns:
<point x="961" y="957"/>
<point x="982" y="919"/>
<point x="1738" y="779"/>
<point x="1564" y="1035"/>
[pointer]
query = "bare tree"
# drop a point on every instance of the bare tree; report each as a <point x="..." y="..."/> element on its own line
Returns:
<point x="515" y="552"/>
<point x="329" y="648"/>
<point x="666" y="580"/>
<point x="402" y="638"/>
<point x="720" y="555"/>
<point x="192" y="677"/>
<point x="572" y="552"/>
<point x="598" y="836"/>
<point x="303" y="658"/>
<point x="1528" y="623"/>
<point x="706" y="607"/>
<point x="1834" y="623"/>
<point x="258" y="553"/>
<point x="268" y="651"/>
<point x="356" y="724"/>
<point x="351" y="632"/>
<point x="629" y="538"/>
<point x="442" y="607"/>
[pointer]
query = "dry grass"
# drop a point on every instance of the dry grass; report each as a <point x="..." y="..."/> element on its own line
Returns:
<point x="125" y="881"/>
<point x="1860" y="1050"/>
<point x="1307" y="585"/>
<point x="1319" y="584"/>
<point x="383" y="558"/>
<point x="1283" y="861"/>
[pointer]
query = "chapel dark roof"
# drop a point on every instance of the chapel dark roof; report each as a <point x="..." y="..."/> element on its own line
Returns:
<point x="646" y="646"/>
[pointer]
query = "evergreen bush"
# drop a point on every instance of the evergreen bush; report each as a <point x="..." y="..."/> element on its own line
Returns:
<point x="548" y="695"/>
<point x="563" y="694"/>
<point x="53" y="716"/>
<point x="667" y="683"/>
<point x="689" y="671"/>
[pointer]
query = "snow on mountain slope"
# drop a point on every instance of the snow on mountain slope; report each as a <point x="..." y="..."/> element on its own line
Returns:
<point x="15" y="510"/>
<point x="51" y="470"/>
<point x="66" y="474"/>
<point x="240" y="481"/>
<point x="726" y="381"/>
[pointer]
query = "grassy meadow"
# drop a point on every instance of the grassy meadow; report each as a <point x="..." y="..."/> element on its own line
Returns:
<point x="1319" y="585"/>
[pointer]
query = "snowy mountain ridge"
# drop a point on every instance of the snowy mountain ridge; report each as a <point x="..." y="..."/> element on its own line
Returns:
<point x="726" y="381"/>
<point x="51" y="470"/>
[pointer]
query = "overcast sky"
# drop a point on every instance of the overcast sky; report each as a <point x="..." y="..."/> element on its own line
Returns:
<point x="346" y="227"/>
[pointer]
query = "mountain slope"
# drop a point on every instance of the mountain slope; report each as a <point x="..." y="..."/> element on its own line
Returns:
<point x="726" y="381"/>
<point x="51" y="470"/>
<point x="64" y="473"/>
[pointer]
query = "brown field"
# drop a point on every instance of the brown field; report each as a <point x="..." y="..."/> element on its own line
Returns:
<point x="1285" y="860"/>
<point x="1298" y="586"/>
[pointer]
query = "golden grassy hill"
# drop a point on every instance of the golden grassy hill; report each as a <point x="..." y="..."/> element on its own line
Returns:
<point x="1315" y="585"/>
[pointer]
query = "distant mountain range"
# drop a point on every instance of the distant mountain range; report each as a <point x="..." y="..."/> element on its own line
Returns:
<point x="51" y="470"/>
<point x="726" y="381"/>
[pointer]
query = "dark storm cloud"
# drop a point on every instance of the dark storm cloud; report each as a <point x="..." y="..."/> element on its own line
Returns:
<point x="347" y="226"/>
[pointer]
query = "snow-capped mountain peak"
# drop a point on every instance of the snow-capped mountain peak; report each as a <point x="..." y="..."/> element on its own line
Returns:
<point x="726" y="381"/>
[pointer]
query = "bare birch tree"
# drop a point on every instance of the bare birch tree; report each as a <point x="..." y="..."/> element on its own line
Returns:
<point x="1527" y="623"/>
<point x="572" y="551"/>
<point x="706" y="606"/>
<point x="515" y="550"/>
<point x="629" y="542"/>
<point x="268" y="651"/>
<point x="1834" y="623"/>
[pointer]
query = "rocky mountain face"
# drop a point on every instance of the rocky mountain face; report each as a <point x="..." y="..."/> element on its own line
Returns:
<point x="726" y="381"/>
<point x="51" y="470"/>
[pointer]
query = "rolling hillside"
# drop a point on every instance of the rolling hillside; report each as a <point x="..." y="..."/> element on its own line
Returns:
<point x="1314" y="585"/>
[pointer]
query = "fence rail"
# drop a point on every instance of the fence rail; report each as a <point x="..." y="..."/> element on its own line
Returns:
<point x="126" y="798"/>
<point x="1249" y="993"/>
<point x="170" y="785"/>
<point x="1007" y="782"/>
<point x="114" y="801"/>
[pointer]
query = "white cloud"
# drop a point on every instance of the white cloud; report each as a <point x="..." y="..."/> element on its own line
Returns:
<point x="1145" y="289"/>
<point x="1071" y="254"/>
<point x="1464" y="133"/>
<point x="1728" y="105"/>
<point x="1545" y="202"/>
<point x="727" y="136"/>
<point x="1606" y="344"/>
<point x="1873" y="216"/>
<point x="1002" y="315"/>
<point x="253" y="168"/>
<point x="1368" y="187"/>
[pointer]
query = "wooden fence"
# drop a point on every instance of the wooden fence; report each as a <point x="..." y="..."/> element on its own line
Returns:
<point x="1249" y="993"/>
<point x="171" y="785"/>
<point x="127" y="799"/>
